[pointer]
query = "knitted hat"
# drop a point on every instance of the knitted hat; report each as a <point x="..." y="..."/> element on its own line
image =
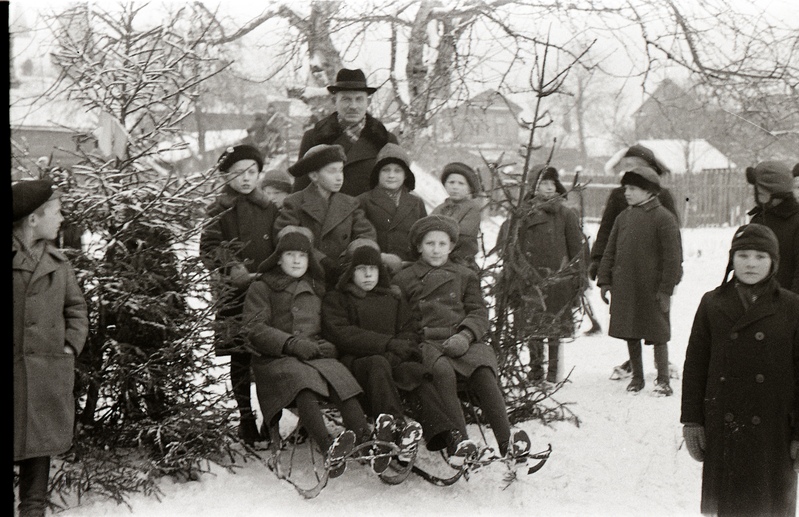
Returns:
<point x="464" y="170"/>
<point x="28" y="195"/>
<point x="773" y="177"/>
<point x="392" y="153"/>
<point x="430" y="223"/>
<point x="648" y="155"/>
<point x="642" y="177"/>
<point x="237" y="153"/>
<point x="277" y="179"/>
<point x="755" y="237"/>
<point x="547" y="172"/>
<point x="351" y="80"/>
<point x="293" y="238"/>
<point x="317" y="157"/>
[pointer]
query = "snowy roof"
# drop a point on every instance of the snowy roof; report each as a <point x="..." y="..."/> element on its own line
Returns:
<point x="683" y="156"/>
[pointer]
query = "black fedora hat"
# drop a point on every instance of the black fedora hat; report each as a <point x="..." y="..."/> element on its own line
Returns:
<point x="351" y="80"/>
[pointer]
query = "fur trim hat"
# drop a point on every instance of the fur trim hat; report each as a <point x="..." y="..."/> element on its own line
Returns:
<point x="756" y="237"/>
<point x="365" y="252"/>
<point x="392" y="153"/>
<point x="464" y="170"/>
<point x="28" y="195"/>
<point x="642" y="177"/>
<point x="293" y="238"/>
<point x="278" y="179"/>
<point x="773" y="177"/>
<point x="648" y="155"/>
<point x="547" y="172"/>
<point x="237" y="153"/>
<point x="431" y="223"/>
<point x="351" y="80"/>
<point x="317" y="157"/>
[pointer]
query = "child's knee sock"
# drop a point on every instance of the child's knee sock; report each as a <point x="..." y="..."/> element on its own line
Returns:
<point x="311" y="418"/>
<point x="662" y="361"/>
<point x="483" y="384"/>
<point x="554" y="360"/>
<point x="636" y="361"/>
<point x="353" y="417"/>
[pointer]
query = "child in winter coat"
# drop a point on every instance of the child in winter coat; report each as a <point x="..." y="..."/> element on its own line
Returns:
<point x="549" y="239"/>
<point x="391" y="206"/>
<point x="371" y="325"/>
<point x="777" y="209"/>
<point x="462" y="185"/>
<point x="740" y="384"/>
<point x="236" y="239"/>
<point x="640" y="268"/>
<point x="292" y="364"/>
<point x="50" y="328"/>
<point x="335" y="219"/>
<point x="276" y="185"/>
<point x="448" y="306"/>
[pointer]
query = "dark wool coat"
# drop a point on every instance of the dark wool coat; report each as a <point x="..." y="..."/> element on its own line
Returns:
<point x="783" y="219"/>
<point x="49" y="312"/>
<point x="361" y="155"/>
<point x="615" y="205"/>
<point x="239" y="230"/>
<point x="740" y="381"/>
<point x="276" y="308"/>
<point x="445" y="300"/>
<point x="335" y="223"/>
<point x="643" y="257"/>
<point x="393" y="222"/>
<point x="549" y="237"/>
<point x="467" y="213"/>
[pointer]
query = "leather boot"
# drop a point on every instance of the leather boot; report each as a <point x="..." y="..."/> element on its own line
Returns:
<point x="636" y="365"/>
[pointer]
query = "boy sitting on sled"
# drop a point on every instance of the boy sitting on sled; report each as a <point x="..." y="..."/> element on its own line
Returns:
<point x="448" y="306"/>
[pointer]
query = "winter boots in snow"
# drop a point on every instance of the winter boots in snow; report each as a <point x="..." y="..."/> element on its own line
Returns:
<point x="248" y="430"/>
<point x="662" y="386"/>
<point x="336" y="460"/>
<point x="518" y="445"/>
<point x="383" y="432"/>
<point x="409" y="441"/>
<point x="636" y="366"/>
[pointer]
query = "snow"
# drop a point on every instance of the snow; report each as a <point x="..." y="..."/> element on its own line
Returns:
<point x="626" y="458"/>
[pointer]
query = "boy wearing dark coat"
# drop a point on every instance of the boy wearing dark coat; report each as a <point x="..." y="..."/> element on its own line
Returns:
<point x="462" y="185"/>
<point x="292" y="364"/>
<point x="50" y="328"/>
<point x="641" y="266"/>
<point x="448" y="306"/>
<point x="235" y="240"/>
<point x="740" y="385"/>
<point x="335" y="219"/>
<point x="391" y="206"/>
<point x="777" y="209"/>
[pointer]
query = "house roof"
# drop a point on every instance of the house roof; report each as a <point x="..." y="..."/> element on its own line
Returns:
<point x="683" y="156"/>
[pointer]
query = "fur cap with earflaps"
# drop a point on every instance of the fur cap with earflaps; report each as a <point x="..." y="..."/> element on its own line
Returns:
<point x="237" y="153"/>
<point x="430" y="223"/>
<point x="755" y="237"/>
<point x="28" y="195"/>
<point x="464" y="170"/>
<point x="363" y="252"/>
<point x="642" y="177"/>
<point x="317" y="157"/>
<point x="393" y="153"/>
<point x="772" y="176"/>
<point x="294" y="238"/>
<point x="543" y="172"/>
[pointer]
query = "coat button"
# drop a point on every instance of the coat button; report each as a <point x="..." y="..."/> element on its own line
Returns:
<point x="759" y="336"/>
<point x="756" y="420"/>
<point x="759" y="378"/>
<point x="722" y="379"/>
<point x="734" y="335"/>
<point x="729" y="417"/>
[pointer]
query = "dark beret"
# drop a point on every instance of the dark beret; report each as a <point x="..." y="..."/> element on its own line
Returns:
<point x="237" y="153"/>
<point x="28" y="195"/>
<point x="317" y="157"/>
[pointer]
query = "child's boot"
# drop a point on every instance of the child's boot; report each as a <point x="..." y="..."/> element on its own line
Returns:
<point x="336" y="461"/>
<point x="409" y="441"/>
<point x="248" y="430"/>
<point x="383" y="432"/>
<point x="465" y="451"/>
<point x="622" y="371"/>
<point x="662" y="385"/>
<point x="518" y="445"/>
<point x="636" y="366"/>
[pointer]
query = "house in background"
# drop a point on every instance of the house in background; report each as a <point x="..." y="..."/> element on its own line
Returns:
<point x="689" y="156"/>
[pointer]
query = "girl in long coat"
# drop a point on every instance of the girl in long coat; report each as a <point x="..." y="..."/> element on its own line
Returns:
<point x="462" y="184"/>
<point x="740" y="385"/>
<point x="448" y="306"/>
<point x="640" y="268"/>
<point x="390" y="205"/>
<point x="371" y="325"/>
<point x="292" y="364"/>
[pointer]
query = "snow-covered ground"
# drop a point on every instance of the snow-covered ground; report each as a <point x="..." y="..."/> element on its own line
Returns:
<point x="624" y="459"/>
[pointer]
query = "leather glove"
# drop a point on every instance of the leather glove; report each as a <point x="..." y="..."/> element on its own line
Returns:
<point x="327" y="350"/>
<point x="694" y="435"/>
<point x="603" y="293"/>
<point x="240" y="278"/>
<point x="403" y="348"/>
<point x="795" y="454"/>
<point x="593" y="269"/>
<point x="392" y="262"/>
<point x="457" y="345"/>
<point x="302" y="349"/>
<point x="664" y="300"/>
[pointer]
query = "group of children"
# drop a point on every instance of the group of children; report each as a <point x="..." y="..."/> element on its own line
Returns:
<point x="354" y="302"/>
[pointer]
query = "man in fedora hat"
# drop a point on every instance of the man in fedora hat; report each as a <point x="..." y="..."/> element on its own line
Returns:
<point x="360" y="134"/>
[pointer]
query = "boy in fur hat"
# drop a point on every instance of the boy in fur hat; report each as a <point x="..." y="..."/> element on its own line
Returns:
<point x="276" y="185"/>
<point x="641" y="266"/>
<point x="50" y="328"/>
<point x="777" y="209"/>
<point x="391" y="206"/>
<point x="740" y="384"/>
<point x="334" y="218"/>
<point x="292" y="364"/>
<point x="462" y="185"/>
<point x="237" y="237"/>
<point x="448" y="306"/>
